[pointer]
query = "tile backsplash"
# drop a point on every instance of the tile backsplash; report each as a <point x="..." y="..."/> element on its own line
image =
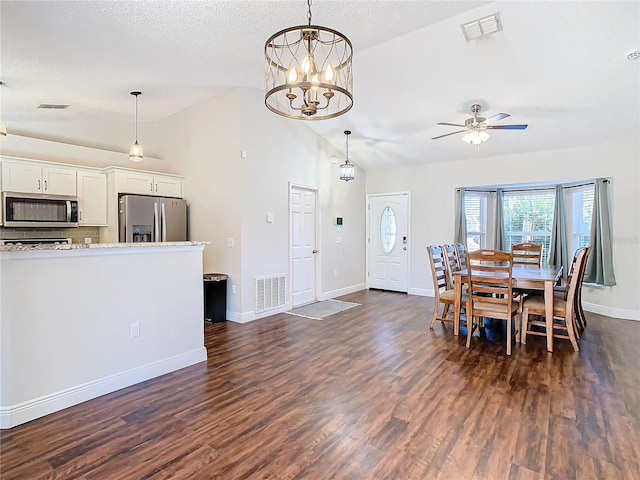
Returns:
<point x="77" y="235"/>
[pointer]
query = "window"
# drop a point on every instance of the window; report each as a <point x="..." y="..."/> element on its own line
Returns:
<point x="475" y="207"/>
<point x="528" y="217"/>
<point x="579" y="212"/>
<point x="387" y="230"/>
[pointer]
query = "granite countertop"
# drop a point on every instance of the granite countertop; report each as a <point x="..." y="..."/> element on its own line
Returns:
<point x="76" y="246"/>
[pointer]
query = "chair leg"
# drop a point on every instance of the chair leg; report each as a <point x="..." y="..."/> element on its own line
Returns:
<point x="509" y="325"/>
<point x="445" y="312"/>
<point x="572" y="334"/>
<point x="525" y="326"/>
<point x="434" y="317"/>
<point x="469" y="330"/>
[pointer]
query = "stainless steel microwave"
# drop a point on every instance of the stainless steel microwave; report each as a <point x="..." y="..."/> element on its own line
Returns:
<point x="33" y="210"/>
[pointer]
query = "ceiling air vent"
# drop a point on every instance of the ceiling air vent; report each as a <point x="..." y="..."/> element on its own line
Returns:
<point x="482" y="27"/>
<point x="53" y="106"/>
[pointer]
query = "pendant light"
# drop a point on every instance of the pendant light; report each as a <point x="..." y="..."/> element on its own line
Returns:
<point x="3" y="130"/>
<point x="135" y="154"/>
<point x="347" y="169"/>
<point x="308" y="72"/>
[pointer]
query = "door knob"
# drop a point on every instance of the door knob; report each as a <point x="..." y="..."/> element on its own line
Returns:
<point x="315" y="251"/>
<point x="404" y="248"/>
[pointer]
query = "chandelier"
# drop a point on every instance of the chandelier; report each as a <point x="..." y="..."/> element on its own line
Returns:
<point x="347" y="169"/>
<point x="308" y="72"/>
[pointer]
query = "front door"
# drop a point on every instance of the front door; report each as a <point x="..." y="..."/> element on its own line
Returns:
<point x="303" y="246"/>
<point x="389" y="242"/>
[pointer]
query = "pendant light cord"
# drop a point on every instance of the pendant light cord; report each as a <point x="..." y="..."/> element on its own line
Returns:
<point x="309" y="11"/>
<point x="136" y="118"/>
<point x="347" y="133"/>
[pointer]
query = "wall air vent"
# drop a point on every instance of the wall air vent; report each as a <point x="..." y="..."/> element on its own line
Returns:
<point x="482" y="27"/>
<point x="53" y="106"/>
<point x="270" y="293"/>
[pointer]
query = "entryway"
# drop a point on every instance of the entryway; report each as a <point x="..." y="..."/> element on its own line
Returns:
<point x="388" y="242"/>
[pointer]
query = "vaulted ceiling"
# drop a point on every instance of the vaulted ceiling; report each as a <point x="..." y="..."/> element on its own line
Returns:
<point x="558" y="66"/>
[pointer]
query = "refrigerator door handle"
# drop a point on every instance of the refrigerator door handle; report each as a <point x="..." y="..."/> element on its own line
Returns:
<point x="164" y="223"/>
<point x="156" y="223"/>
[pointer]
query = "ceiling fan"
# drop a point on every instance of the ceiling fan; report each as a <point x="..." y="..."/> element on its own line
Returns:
<point x="476" y="127"/>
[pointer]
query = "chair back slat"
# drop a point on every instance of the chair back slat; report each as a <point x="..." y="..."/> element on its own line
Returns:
<point x="462" y="255"/>
<point x="439" y="270"/>
<point x="527" y="253"/>
<point x="453" y="264"/>
<point x="491" y="283"/>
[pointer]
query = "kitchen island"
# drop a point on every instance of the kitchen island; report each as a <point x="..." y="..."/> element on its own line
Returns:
<point x="82" y="320"/>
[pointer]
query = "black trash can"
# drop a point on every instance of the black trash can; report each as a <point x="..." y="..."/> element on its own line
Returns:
<point x="215" y="297"/>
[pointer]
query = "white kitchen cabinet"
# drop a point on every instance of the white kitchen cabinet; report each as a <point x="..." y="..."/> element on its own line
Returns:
<point x="92" y="198"/>
<point x="148" y="183"/>
<point x="33" y="177"/>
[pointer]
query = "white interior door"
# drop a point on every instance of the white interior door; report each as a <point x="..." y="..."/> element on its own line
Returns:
<point x="303" y="246"/>
<point x="389" y="242"/>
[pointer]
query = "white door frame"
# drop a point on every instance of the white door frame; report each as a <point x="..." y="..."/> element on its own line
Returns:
<point x="409" y="243"/>
<point x="318" y="256"/>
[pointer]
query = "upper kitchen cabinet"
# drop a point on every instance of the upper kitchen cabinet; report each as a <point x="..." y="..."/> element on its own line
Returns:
<point x="92" y="197"/>
<point x="146" y="183"/>
<point x="34" y="177"/>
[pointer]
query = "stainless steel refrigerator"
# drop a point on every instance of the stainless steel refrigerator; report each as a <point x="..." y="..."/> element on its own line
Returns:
<point x="152" y="219"/>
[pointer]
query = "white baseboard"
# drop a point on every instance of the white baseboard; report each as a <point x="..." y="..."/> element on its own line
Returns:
<point x="612" y="312"/>
<point x="238" y="317"/>
<point x="14" y="415"/>
<point x="423" y="292"/>
<point x="342" y="291"/>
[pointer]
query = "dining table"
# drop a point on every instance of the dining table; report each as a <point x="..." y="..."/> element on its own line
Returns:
<point x="525" y="277"/>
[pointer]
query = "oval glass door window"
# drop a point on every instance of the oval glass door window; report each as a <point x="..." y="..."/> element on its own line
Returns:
<point x="387" y="230"/>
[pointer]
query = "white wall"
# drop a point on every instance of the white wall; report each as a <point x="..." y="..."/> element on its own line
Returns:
<point x="432" y="189"/>
<point x="65" y="323"/>
<point x="230" y="196"/>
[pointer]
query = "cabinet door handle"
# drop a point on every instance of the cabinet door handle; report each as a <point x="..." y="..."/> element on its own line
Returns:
<point x="45" y="185"/>
<point x="38" y="184"/>
<point x="156" y="187"/>
<point x="151" y="187"/>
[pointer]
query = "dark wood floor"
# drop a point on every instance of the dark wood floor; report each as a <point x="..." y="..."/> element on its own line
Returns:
<point x="369" y="393"/>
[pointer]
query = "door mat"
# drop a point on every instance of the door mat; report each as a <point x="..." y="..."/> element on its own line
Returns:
<point x="320" y="310"/>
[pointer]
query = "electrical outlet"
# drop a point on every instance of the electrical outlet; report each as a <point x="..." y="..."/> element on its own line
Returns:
<point x="87" y="239"/>
<point x="230" y="242"/>
<point x="134" y="330"/>
<point x="233" y="289"/>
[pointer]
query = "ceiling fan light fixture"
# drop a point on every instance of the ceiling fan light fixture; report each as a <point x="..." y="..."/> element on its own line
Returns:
<point x="476" y="137"/>
<point x="135" y="153"/>
<point x="347" y="169"/>
<point x="308" y="72"/>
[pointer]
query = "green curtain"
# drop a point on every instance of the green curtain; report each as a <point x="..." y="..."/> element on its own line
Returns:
<point x="498" y="228"/>
<point x="599" y="269"/>
<point x="559" y="246"/>
<point x="460" y="232"/>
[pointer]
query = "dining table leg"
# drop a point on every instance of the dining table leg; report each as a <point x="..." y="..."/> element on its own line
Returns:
<point x="548" y="310"/>
<point x="457" y="299"/>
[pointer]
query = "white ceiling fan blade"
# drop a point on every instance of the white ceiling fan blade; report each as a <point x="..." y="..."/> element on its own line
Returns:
<point x="447" y="134"/>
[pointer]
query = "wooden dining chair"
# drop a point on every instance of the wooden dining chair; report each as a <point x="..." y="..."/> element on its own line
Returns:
<point x="444" y="295"/>
<point x="564" y="319"/>
<point x="527" y="252"/>
<point x="462" y="255"/>
<point x="491" y="291"/>
<point x="576" y="271"/>
<point x="453" y="262"/>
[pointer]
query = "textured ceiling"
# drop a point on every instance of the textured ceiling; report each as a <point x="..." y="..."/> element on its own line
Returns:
<point x="558" y="66"/>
